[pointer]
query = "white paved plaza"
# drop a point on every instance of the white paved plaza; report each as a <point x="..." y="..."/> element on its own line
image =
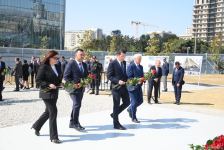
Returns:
<point x="162" y="127"/>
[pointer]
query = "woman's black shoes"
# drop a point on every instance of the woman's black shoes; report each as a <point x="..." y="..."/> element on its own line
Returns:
<point x="56" y="141"/>
<point x="37" y="133"/>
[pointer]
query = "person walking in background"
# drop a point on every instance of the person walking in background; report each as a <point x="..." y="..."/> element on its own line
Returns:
<point x="116" y="73"/>
<point x="154" y="82"/>
<point x="165" y="72"/>
<point x="32" y="74"/>
<point x="75" y="71"/>
<point x="2" y="76"/>
<point x="25" y="69"/>
<point x="178" y="81"/>
<point x="18" y="72"/>
<point x="36" y="68"/>
<point x="63" y="64"/>
<point x="135" y="70"/>
<point x="48" y="78"/>
<point x="96" y="69"/>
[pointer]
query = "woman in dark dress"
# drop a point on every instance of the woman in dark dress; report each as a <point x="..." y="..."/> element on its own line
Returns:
<point x="25" y="68"/>
<point x="49" y="79"/>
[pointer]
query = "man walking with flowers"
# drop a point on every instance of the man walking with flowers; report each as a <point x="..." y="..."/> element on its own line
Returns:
<point x="76" y="73"/>
<point x="135" y="71"/>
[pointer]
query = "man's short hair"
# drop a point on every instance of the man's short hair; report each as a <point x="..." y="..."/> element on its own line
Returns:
<point x="177" y="63"/>
<point x="137" y="55"/>
<point x="121" y="51"/>
<point x="78" y="50"/>
<point x="17" y="59"/>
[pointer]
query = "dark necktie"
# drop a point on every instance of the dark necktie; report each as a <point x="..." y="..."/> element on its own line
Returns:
<point x="80" y="67"/>
<point x="122" y="66"/>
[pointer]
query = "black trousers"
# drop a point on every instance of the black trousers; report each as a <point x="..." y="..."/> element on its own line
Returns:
<point x="177" y="92"/>
<point x="32" y="78"/>
<point x="51" y="114"/>
<point x="156" y="86"/>
<point x="95" y="85"/>
<point x="77" y="102"/>
<point x="17" y="82"/>
<point x="1" y="88"/>
<point x="122" y="93"/>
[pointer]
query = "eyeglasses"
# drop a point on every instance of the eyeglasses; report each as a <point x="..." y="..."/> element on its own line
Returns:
<point x="55" y="58"/>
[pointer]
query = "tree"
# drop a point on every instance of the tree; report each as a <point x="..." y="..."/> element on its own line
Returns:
<point x="216" y="48"/>
<point x="44" y="42"/>
<point x="154" y="45"/>
<point x="87" y="43"/>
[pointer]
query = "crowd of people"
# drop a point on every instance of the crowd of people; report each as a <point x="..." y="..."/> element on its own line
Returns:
<point x="52" y="73"/>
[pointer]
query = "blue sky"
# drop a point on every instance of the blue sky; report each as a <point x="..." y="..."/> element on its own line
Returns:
<point x="168" y="15"/>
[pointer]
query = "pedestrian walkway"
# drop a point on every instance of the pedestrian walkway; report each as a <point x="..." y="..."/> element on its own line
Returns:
<point x="160" y="129"/>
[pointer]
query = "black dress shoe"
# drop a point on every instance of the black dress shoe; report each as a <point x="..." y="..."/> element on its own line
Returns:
<point x="78" y="127"/>
<point x="112" y="115"/>
<point x="119" y="127"/>
<point x="16" y="90"/>
<point x="135" y="121"/>
<point x="92" y="93"/>
<point x="129" y="113"/>
<point x="175" y="103"/>
<point x="56" y="141"/>
<point x="157" y="103"/>
<point x="37" y="133"/>
<point x="149" y="102"/>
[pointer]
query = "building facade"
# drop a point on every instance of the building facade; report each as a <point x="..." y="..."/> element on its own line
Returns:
<point x="32" y="23"/>
<point x="74" y="39"/>
<point x="208" y="17"/>
<point x="188" y="35"/>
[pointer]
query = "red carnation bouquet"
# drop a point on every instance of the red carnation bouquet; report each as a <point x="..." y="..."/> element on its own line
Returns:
<point x="70" y="86"/>
<point x="216" y="144"/>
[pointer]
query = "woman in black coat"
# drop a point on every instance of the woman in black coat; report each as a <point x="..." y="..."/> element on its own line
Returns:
<point x="48" y="78"/>
<point x="25" y="68"/>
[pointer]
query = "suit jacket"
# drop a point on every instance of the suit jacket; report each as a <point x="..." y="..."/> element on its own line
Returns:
<point x="115" y="72"/>
<point x="18" y="70"/>
<point x="63" y="65"/>
<point x="134" y="72"/>
<point x="158" y="73"/>
<point x="165" y="69"/>
<point x="2" y="75"/>
<point x="178" y="76"/>
<point x="73" y="74"/>
<point x="45" y="77"/>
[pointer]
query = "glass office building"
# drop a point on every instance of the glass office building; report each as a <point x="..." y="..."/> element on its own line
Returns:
<point x="32" y="23"/>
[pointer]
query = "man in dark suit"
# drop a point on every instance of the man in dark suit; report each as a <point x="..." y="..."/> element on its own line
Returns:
<point x="96" y="69"/>
<point x="18" y="71"/>
<point x="116" y="73"/>
<point x="76" y="70"/>
<point x="154" y="82"/>
<point x="63" y="64"/>
<point x="2" y="76"/>
<point x="177" y="81"/>
<point x="165" y="71"/>
<point x="135" y="70"/>
<point x="32" y="74"/>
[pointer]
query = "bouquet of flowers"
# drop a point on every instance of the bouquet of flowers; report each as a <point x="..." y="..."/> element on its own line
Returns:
<point x="69" y="86"/>
<point x="216" y="144"/>
<point x="5" y="71"/>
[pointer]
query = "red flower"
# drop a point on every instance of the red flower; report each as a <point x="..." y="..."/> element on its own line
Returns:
<point x="153" y="72"/>
<point x="92" y="76"/>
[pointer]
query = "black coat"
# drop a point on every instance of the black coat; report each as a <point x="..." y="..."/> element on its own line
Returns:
<point x="45" y="77"/>
<point x="2" y="74"/>
<point x="158" y="73"/>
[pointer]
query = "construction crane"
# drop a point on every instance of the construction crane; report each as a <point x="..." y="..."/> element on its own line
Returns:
<point x="136" y="24"/>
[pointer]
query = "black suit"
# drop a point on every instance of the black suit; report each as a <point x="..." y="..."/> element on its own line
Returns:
<point x="152" y="83"/>
<point x="178" y="78"/>
<point x="73" y="73"/>
<point x="116" y="72"/>
<point x="45" y="77"/>
<point x="2" y="77"/>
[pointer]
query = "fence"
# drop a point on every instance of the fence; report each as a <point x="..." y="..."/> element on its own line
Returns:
<point x="9" y="54"/>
